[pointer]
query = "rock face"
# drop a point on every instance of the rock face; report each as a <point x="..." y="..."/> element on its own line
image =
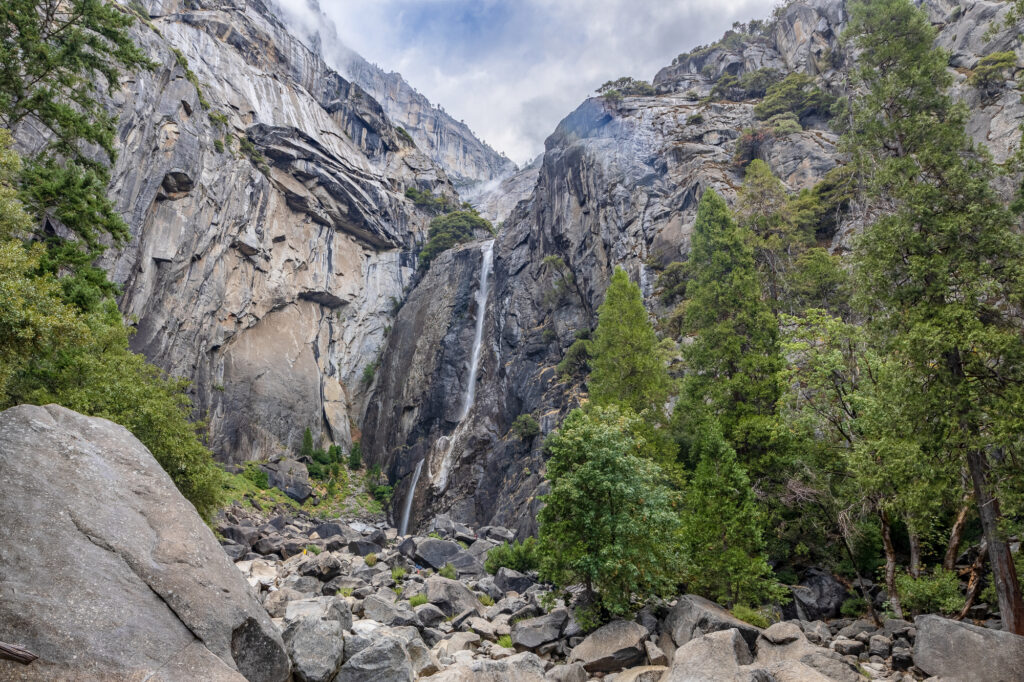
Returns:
<point x="958" y="651"/>
<point x="270" y="234"/>
<point x="618" y="185"/>
<point x="108" y="572"/>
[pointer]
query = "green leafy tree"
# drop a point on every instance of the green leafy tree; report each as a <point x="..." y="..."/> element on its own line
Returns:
<point x="733" y="361"/>
<point x="307" y="444"/>
<point x="944" y="267"/>
<point x="798" y="94"/>
<point x="56" y="56"/>
<point x="627" y="364"/>
<point x="609" y="520"/>
<point x="722" y="528"/>
<point x="448" y="230"/>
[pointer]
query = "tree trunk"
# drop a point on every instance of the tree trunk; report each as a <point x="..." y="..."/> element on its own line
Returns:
<point x="956" y="536"/>
<point x="890" y="566"/>
<point x="16" y="653"/>
<point x="860" y="581"/>
<point x="915" y="553"/>
<point x="974" y="581"/>
<point x="1004" y="574"/>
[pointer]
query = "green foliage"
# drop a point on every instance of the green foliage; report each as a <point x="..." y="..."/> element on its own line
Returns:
<point x="355" y="455"/>
<point x="797" y="94"/>
<point x="505" y="641"/>
<point x="722" y="528"/>
<point x="398" y="574"/>
<point x="733" y="361"/>
<point x="748" y="86"/>
<point x="519" y="556"/>
<point x="853" y="607"/>
<point x="626" y="86"/>
<point x="608" y="521"/>
<point x="313" y="549"/>
<point x="417" y="600"/>
<point x="371" y="559"/>
<point x="992" y="72"/>
<point x="307" y="444"/>
<point x="378" y="491"/>
<point x="404" y="134"/>
<point x="562" y="281"/>
<point x="672" y="283"/>
<point x="485" y="599"/>
<point x="256" y="475"/>
<point x="627" y="365"/>
<point x="448" y="230"/>
<point x="526" y="427"/>
<point x="752" y="616"/>
<point x="369" y="372"/>
<point x="447" y="571"/>
<point x="347" y="592"/>
<point x="432" y="203"/>
<point x="576" y="362"/>
<point x="936" y="593"/>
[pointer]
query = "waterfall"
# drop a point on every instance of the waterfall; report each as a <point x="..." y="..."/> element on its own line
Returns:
<point x="481" y="310"/>
<point x="408" y="498"/>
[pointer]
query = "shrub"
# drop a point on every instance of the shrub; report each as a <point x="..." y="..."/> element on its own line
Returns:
<point x="404" y="134"/>
<point x="485" y="599"/>
<point x="448" y="230"/>
<point x="370" y="559"/>
<point x="355" y="455"/>
<point x="313" y="549"/>
<point x="430" y="202"/>
<point x="937" y="593"/>
<point x="752" y="616"/>
<point x="672" y="283"/>
<point x="695" y="119"/>
<point x="255" y="475"/>
<point x="447" y="572"/>
<point x="626" y="86"/>
<point x="853" y="607"/>
<point x="398" y="574"/>
<point x="218" y="144"/>
<point x="781" y="125"/>
<point x="505" y="641"/>
<point x="526" y="427"/>
<point x="417" y="600"/>
<point x="992" y="72"/>
<point x="369" y="372"/>
<point x="798" y="94"/>
<point x="518" y="556"/>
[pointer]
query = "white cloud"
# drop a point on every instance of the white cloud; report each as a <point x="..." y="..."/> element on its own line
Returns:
<point x="512" y="69"/>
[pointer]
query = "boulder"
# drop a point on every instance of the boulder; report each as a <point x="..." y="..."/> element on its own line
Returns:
<point x="533" y="632"/>
<point x="126" y="581"/>
<point x="617" y="645"/>
<point x="429" y="615"/>
<point x="571" y="672"/>
<point x="524" y="667"/>
<point x="714" y="656"/>
<point x="320" y="608"/>
<point x="451" y="596"/>
<point x="383" y="611"/>
<point x="693" y="616"/>
<point x="316" y="648"/>
<point x="290" y="477"/>
<point x="967" y="653"/>
<point x="385" y="660"/>
<point x="818" y="597"/>
<point x="644" y="673"/>
<point x="436" y="553"/>
<point x="508" y="580"/>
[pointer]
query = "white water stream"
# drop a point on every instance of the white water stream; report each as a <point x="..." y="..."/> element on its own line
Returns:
<point x="468" y="395"/>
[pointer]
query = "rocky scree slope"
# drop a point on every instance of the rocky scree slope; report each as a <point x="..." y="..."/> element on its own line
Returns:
<point x="618" y="186"/>
<point x="270" y="234"/>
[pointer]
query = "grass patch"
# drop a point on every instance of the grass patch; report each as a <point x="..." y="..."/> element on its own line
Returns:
<point x="752" y="616"/>
<point x="417" y="600"/>
<point x="505" y="641"/>
<point x="447" y="572"/>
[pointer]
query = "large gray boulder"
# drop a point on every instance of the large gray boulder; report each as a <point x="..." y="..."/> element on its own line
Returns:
<point x="693" y="616"/>
<point x="290" y="477"/>
<point x="617" y="645"/>
<point x="107" y="572"/>
<point x="533" y="632"/>
<point x="316" y="648"/>
<point x="952" y="650"/>
<point x="385" y="660"/>
<point x="524" y="667"/>
<point x="714" y="657"/>
<point x="451" y="596"/>
<point x="818" y="596"/>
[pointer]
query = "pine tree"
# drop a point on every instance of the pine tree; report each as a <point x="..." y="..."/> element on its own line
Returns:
<point x="628" y="367"/>
<point x="941" y="275"/>
<point x="722" y="527"/>
<point x="733" y="361"/>
<point x="307" y="444"/>
<point x="609" y="520"/>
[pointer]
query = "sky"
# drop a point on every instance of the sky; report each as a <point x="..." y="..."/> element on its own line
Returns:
<point x="512" y="69"/>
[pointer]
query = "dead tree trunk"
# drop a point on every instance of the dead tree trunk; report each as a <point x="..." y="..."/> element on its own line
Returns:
<point x="13" y="652"/>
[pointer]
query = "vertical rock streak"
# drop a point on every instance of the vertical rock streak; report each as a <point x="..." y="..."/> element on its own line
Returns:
<point x="408" y="498"/>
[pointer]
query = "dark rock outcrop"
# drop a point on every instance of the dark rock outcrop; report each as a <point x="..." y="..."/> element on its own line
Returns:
<point x="125" y="582"/>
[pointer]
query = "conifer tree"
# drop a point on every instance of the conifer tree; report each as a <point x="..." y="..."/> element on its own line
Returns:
<point x="941" y="275"/>
<point x="733" y="361"/>
<point x="628" y="367"/>
<point x="722" y="527"/>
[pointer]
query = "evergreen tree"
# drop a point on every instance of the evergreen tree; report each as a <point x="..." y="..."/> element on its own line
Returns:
<point x="733" y="361"/>
<point x="627" y="365"/>
<point x="307" y="444"/>
<point x="722" y="528"/>
<point x="941" y="275"/>
<point x="608" y="521"/>
<point x="56" y="57"/>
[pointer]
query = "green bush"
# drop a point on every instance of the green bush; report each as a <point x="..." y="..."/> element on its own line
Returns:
<point x="752" y="616"/>
<point x="431" y="202"/>
<point x="576" y="362"/>
<point x="798" y="94"/>
<point x="355" y="455"/>
<point x="853" y="607"/>
<point x="448" y="230"/>
<point x="627" y="86"/>
<point x="398" y="574"/>
<point x="526" y="427"/>
<point x="417" y="600"/>
<point x="371" y="559"/>
<point x="369" y="372"/>
<point x="313" y="549"/>
<point x="936" y="593"/>
<point x="518" y="556"/>
<point x="404" y="134"/>
<point x="257" y="476"/>
<point x="485" y="599"/>
<point x="505" y="641"/>
<point x="992" y="72"/>
<point x="672" y="283"/>
<point x="448" y="572"/>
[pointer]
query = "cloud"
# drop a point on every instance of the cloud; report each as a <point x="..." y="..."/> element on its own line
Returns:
<point x="512" y="69"/>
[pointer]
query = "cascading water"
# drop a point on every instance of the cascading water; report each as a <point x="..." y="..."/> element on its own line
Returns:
<point x="469" y="394"/>
<point x="408" y="498"/>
